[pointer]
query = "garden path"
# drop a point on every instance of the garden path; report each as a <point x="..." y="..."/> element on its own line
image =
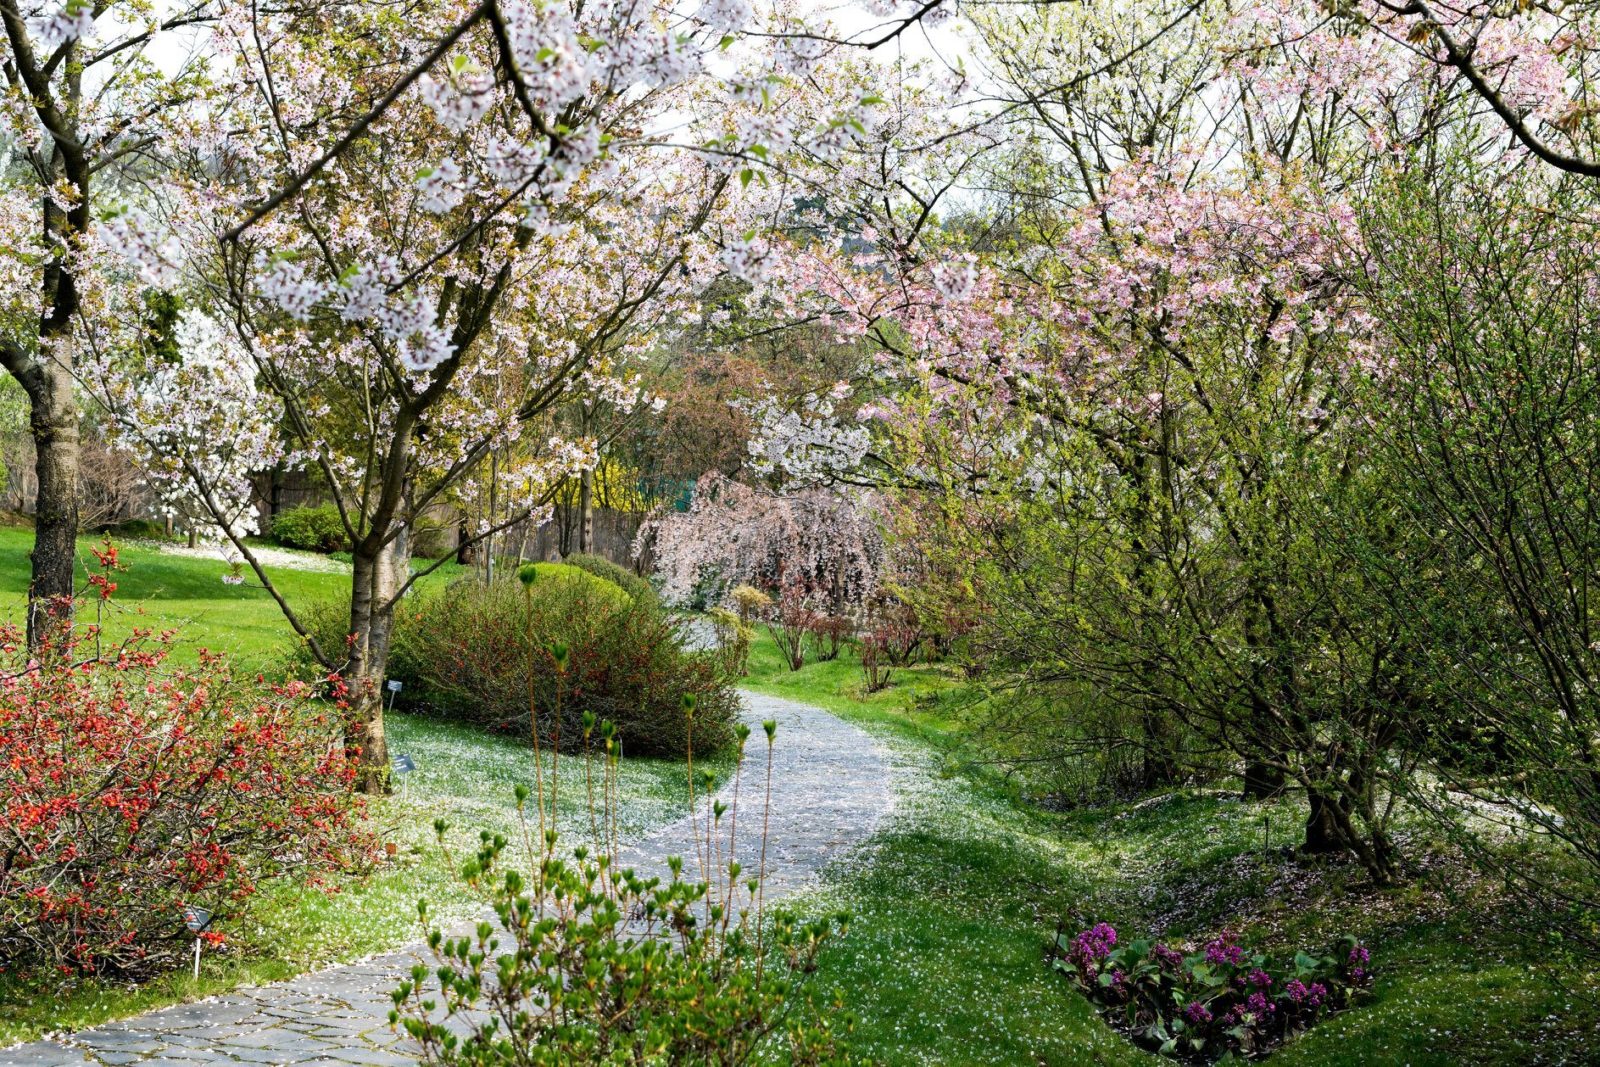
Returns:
<point x="830" y="789"/>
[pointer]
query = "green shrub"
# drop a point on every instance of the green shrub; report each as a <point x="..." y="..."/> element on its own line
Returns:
<point x="465" y="652"/>
<point x="329" y="619"/>
<point x="317" y="529"/>
<point x="616" y="574"/>
<point x="733" y="639"/>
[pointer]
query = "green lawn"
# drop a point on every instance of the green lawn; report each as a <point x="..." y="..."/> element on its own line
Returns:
<point x="183" y="593"/>
<point x="956" y="902"/>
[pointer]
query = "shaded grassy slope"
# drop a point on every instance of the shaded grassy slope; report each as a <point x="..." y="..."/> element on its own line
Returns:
<point x="955" y="904"/>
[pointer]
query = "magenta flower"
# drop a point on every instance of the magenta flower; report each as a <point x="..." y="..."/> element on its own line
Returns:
<point x="1167" y="957"/>
<point x="1310" y="996"/>
<point x="1259" y="1006"/>
<point x="1225" y="950"/>
<point x="1095" y="943"/>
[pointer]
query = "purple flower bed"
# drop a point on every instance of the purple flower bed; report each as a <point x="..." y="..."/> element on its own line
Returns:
<point x="1221" y="999"/>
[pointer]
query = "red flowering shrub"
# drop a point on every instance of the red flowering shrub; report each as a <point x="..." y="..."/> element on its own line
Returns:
<point x="828" y="634"/>
<point x="130" y="787"/>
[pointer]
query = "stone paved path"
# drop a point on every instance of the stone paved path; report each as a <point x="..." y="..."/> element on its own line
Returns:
<point x="830" y="790"/>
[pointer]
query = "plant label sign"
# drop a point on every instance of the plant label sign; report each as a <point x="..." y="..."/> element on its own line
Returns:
<point x="402" y="764"/>
<point x="196" y="918"/>
<point x="393" y="685"/>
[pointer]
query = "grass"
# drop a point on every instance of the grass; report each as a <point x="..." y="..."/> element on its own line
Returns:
<point x="921" y="704"/>
<point x="464" y="776"/>
<point x="183" y="593"/>
<point x="955" y="903"/>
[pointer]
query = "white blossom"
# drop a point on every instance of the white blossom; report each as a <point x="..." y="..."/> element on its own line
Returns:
<point x="725" y="16"/>
<point x="809" y="446"/>
<point x="131" y="237"/>
<point x="747" y="258"/>
<point x="288" y="286"/>
<point x="441" y="187"/>
<point x="460" y="102"/>
<point x="70" y="21"/>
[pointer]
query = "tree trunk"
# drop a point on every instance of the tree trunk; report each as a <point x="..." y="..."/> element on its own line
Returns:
<point x="466" y="554"/>
<point x="1329" y="829"/>
<point x="1324" y="835"/>
<point x="373" y="583"/>
<point x="494" y="516"/>
<point x="54" y="423"/>
<point x="1262" y="780"/>
<point x="586" y="511"/>
<point x="1158" y="766"/>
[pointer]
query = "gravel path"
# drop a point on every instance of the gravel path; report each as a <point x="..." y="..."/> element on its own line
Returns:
<point x="830" y="788"/>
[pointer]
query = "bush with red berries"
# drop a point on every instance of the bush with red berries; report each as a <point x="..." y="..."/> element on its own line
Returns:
<point x="131" y="787"/>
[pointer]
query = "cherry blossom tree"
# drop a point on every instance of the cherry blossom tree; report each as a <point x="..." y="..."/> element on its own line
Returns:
<point x="421" y="283"/>
<point x="1533" y="65"/>
<point x="86" y="104"/>
<point x="820" y="544"/>
<point x="1120" y="409"/>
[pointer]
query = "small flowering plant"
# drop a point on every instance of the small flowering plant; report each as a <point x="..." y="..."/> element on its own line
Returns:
<point x="1219" y="1000"/>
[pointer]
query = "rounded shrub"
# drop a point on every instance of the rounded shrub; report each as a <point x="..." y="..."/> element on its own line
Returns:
<point x="471" y="649"/>
<point x="317" y="529"/>
<point x="614" y="573"/>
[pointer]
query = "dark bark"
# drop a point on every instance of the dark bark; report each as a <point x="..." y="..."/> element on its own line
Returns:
<point x="1323" y="833"/>
<point x="54" y="423"/>
<point x="54" y="88"/>
<point x="1330" y="829"/>
<point x="370" y="623"/>
<point x="1262" y="780"/>
<point x="1159" y="764"/>
<point x="466" y="549"/>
